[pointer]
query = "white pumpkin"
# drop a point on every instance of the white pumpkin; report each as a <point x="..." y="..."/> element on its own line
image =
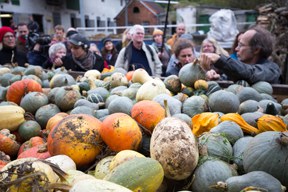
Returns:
<point x="175" y="147"/>
<point x="150" y="89"/>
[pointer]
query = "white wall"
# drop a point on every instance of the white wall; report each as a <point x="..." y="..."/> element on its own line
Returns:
<point x="92" y="8"/>
<point x="187" y="15"/>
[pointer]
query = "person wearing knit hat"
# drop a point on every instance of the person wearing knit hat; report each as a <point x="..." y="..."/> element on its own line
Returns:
<point x="109" y="51"/>
<point x="165" y="54"/>
<point x="9" y="53"/>
<point x="157" y="32"/>
<point x="3" y="31"/>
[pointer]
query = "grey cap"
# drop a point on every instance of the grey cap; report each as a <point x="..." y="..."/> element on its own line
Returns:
<point x="79" y="40"/>
<point x="187" y="36"/>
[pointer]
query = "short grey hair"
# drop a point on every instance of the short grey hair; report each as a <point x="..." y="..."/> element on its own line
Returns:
<point x="54" y="48"/>
<point x="135" y="27"/>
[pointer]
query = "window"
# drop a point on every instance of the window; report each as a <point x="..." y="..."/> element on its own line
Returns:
<point x="73" y="4"/>
<point x="98" y="19"/>
<point x="15" y="2"/>
<point x="136" y="10"/>
<point x="56" y="18"/>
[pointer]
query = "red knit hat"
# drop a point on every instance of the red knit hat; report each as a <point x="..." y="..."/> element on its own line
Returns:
<point x="3" y="31"/>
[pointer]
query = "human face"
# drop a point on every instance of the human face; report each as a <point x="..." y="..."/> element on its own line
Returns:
<point x="138" y="36"/>
<point x="23" y="30"/>
<point x="77" y="51"/>
<point x="208" y="47"/>
<point x="60" y="53"/>
<point x="158" y="39"/>
<point x="244" y="51"/>
<point x="186" y="56"/>
<point x="180" y="30"/>
<point x="109" y="45"/>
<point x="9" y="40"/>
<point x="59" y="34"/>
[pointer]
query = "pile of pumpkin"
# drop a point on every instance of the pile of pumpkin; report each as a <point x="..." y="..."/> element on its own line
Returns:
<point x="130" y="132"/>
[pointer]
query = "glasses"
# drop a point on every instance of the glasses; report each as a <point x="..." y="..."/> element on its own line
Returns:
<point x="241" y="45"/>
<point x="9" y="36"/>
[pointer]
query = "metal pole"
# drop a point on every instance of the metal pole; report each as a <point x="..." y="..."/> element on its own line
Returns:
<point x="126" y="12"/>
<point x="165" y="27"/>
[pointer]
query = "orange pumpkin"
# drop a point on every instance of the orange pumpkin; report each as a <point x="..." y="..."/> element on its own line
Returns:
<point x="129" y="75"/>
<point x="54" y="120"/>
<point x="32" y="142"/>
<point x="148" y="113"/>
<point x="8" y="144"/>
<point x="39" y="151"/>
<point x="76" y="136"/>
<point x="19" y="88"/>
<point x="119" y="131"/>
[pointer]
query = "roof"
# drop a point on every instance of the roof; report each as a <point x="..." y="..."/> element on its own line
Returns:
<point x="153" y="7"/>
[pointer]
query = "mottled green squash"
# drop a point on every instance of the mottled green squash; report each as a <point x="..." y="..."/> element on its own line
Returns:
<point x="138" y="174"/>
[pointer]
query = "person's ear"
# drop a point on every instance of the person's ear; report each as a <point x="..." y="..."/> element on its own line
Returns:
<point x="256" y="51"/>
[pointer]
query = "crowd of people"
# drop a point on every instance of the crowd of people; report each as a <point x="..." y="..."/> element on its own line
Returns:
<point x="248" y="60"/>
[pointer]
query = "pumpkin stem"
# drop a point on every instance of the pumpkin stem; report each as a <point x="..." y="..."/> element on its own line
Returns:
<point x="29" y="116"/>
<point x="220" y="185"/>
<point x="166" y="107"/>
<point x="283" y="140"/>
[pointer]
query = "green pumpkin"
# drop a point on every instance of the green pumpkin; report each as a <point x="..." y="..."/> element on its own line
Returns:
<point x="267" y="152"/>
<point x="173" y="83"/>
<point x="223" y="101"/>
<point x="194" y="105"/>
<point x="263" y="87"/>
<point x="231" y="130"/>
<point x="238" y="149"/>
<point x="66" y="97"/>
<point x="209" y="172"/>
<point x="29" y="129"/>
<point x="190" y="73"/>
<point x="120" y="105"/>
<point x="258" y="179"/>
<point x="215" y="145"/>
<point x="44" y="113"/>
<point x="32" y="101"/>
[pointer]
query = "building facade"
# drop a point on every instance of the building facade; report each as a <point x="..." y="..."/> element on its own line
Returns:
<point x="69" y="13"/>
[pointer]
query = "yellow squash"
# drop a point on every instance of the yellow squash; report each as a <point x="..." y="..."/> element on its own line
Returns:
<point x="271" y="123"/>
<point x="11" y="116"/>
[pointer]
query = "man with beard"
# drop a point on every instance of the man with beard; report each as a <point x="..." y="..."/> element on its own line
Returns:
<point x="22" y="34"/>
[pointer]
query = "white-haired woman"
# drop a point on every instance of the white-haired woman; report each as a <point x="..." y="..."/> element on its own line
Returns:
<point x="56" y="52"/>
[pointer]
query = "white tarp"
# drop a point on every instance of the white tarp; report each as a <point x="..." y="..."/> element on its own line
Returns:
<point x="223" y="26"/>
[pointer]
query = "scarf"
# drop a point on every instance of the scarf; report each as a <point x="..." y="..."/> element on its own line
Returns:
<point x="87" y="62"/>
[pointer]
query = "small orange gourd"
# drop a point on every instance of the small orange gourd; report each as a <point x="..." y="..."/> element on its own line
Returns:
<point x="120" y="131"/>
<point x="271" y="123"/>
<point x="203" y="122"/>
<point x="19" y="88"/>
<point x="241" y="122"/>
<point x="148" y="113"/>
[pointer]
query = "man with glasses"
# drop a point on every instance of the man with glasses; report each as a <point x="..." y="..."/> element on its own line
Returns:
<point x="253" y="64"/>
<point x="22" y="34"/>
<point x="9" y="54"/>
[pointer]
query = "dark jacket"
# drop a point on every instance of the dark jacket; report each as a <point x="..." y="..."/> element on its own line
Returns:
<point x="70" y="64"/>
<point x="235" y="70"/>
<point x="7" y="53"/>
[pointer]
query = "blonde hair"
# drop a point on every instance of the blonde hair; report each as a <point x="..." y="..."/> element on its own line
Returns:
<point x="217" y="47"/>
